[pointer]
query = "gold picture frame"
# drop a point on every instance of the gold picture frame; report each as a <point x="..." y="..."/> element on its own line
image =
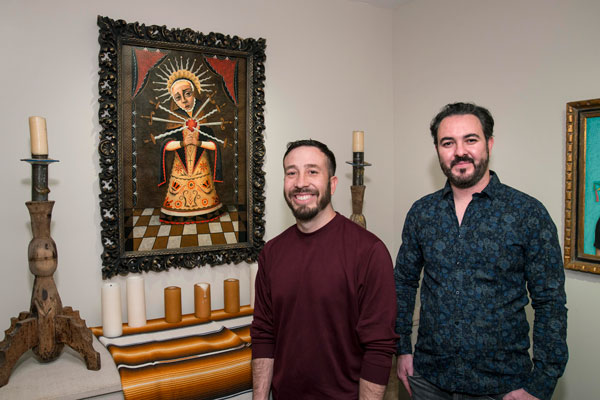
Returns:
<point x="582" y="186"/>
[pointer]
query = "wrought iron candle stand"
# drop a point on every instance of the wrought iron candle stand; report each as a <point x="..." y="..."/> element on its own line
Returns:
<point x="48" y="326"/>
<point x="358" y="188"/>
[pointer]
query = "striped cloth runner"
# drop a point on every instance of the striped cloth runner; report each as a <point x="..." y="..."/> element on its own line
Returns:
<point x="192" y="359"/>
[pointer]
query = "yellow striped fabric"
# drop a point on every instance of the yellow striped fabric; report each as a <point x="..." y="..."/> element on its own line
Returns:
<point x="192" y="359"/>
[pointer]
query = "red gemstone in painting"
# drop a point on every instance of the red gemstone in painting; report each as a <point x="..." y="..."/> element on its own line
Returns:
<point x="191" y="124"/>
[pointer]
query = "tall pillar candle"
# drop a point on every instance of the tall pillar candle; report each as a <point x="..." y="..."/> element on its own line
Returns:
<point x="253" y="273"/>
<point x="112" y="321"/>
<point x="38" y="136"/>
<point x="136" y="301"/>
<point x="173" y="304"/>
<point x="231" y="288"/>
<point x="202" y="300"/>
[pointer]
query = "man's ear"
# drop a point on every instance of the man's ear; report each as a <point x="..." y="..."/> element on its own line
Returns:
<point x="490" y="144"/>
<point x="334" y="181"/>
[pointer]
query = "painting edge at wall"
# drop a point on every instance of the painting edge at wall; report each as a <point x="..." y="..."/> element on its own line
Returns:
<point x="216" y="150"/>
<point x="579" y="186"/>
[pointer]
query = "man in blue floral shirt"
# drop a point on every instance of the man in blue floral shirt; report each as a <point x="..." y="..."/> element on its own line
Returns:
<point x="482" y="247"/>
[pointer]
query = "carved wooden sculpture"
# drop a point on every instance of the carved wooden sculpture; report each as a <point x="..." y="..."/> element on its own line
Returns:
<point x="48" y="326"/>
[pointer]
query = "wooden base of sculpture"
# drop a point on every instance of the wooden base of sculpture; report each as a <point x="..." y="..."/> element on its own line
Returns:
<point x="358" y="195"/>
<point x="48" y="326"/>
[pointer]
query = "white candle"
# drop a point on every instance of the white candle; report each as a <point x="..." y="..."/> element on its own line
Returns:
<point x="112" y="322"/>
<point x="136" y="301"/>
<point x="253" y="273"/>
<point x="38" y="135"/>
<point x="358" y="142"/>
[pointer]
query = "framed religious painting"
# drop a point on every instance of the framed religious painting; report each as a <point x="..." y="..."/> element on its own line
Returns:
<point x="181" y="147"/>
<point x="582" y="186"/>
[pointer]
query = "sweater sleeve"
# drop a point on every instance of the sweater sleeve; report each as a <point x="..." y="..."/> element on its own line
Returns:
<point x="261" y="330"/>
<point x="377" y="312"/>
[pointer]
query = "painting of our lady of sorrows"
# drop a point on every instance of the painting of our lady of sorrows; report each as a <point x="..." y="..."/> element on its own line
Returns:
<point x="184" y="149"/>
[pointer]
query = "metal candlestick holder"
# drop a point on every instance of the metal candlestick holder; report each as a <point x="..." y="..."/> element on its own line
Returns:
<point x="358" y="188"/>
<point x="48" y="326"/>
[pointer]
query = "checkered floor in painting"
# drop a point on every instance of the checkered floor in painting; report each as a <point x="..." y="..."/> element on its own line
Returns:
<point x="145" y="232"/>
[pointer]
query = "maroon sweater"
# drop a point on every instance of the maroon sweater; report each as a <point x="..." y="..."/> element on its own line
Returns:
<point x="325" y="310"/>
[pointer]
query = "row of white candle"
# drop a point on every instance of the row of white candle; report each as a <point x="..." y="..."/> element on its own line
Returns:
<point x="112" y="319"/>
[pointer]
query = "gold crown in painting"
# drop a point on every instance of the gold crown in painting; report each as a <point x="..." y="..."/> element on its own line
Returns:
<point x="183" y="74"/>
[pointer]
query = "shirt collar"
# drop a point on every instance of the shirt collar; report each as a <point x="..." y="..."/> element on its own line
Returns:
<point x="491" y="190"/>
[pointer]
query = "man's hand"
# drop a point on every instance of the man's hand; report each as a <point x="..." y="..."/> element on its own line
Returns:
<point x="519" y="394"/>
<point x="404" y="369"/>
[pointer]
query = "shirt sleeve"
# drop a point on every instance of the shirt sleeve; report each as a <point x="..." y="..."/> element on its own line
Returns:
<point x="377" y="310"/>
<point x="545" y="283"/>
<point x="261" y="330"/>
<point x="407" y="273"/>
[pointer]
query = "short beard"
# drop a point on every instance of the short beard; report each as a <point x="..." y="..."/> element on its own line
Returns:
<point x="305" y="213"/>
<point x="464" y="182"/>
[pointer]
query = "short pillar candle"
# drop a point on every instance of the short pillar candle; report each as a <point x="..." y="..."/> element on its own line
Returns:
<point x="232" y="295"/>
<point x="202" y="300"/>
<point x="173" y="304"/>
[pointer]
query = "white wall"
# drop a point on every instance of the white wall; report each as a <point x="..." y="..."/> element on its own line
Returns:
<point x="524" y="60"/>
<point x="329" y="72"/>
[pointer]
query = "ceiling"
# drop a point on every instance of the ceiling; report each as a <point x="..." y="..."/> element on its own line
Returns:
<point x="384" y="3"/>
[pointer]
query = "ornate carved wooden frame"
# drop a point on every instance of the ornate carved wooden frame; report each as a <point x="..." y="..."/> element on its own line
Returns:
<point x="578" y="113"/>
<point x="121" y="147"/>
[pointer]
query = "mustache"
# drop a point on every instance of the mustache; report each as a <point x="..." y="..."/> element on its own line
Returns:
<point x="458" y="159"/>
<point x="303" y="190"/>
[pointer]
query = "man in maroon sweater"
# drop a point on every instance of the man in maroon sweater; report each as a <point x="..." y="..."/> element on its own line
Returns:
<point x="325" y="301"/>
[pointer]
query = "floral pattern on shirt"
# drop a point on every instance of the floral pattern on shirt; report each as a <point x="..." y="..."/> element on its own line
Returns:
<point x="473" y="332"/>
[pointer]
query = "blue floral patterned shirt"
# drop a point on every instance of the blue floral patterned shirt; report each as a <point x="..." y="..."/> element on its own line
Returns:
<point x="473" y="332"/>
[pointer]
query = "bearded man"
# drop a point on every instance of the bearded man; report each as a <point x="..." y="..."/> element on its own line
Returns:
<point x="482" y="246"/>
<point x="325" y="306"/>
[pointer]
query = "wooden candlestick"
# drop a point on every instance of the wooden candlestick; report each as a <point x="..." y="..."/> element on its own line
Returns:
<point x="358" y="178"/>
<point x="48" y="326"/>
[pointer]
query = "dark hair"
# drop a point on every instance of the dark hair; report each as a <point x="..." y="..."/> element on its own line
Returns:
<point x="484" y="116"/>
<point x="314" y="143"/>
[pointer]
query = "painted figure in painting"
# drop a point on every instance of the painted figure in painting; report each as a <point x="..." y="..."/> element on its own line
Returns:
<point x="191" y="196"/>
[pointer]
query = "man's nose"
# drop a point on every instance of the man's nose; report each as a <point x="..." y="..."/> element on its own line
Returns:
<point x="461" y="149"/>
<point x="301" y="180"/>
